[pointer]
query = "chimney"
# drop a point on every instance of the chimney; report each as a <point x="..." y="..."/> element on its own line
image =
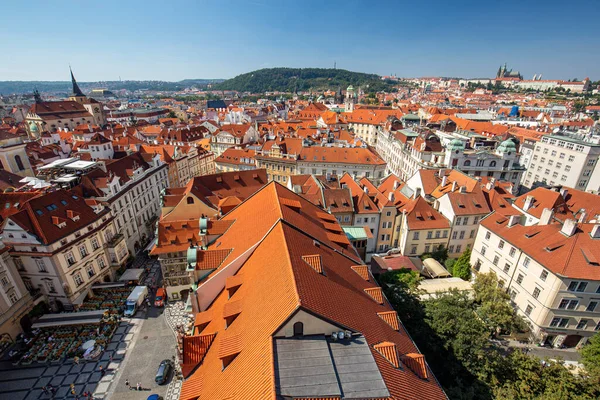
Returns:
<point x="582" y="216"/>
<point x="546" y="217"/>
<point x="511" y="189"/>
<point x="396" y="184"/>
<point x="564" y="192"/>
<point x="444" y="180"/>
<point x="528" y="203"/>
<point x="454" y="186"/>
<point x="417" y="192"/>
<point x="442" y="172"/>
<point x="569" y="227"/>
<point x="462" y="189"/>
<point x="513" y="220"/>
<point x="366" y="190"/>
<point x="595" y="233"/>
<point x="391" y="196"/>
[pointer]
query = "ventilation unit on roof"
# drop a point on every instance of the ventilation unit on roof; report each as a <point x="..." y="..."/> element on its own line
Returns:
<point x="554" y="246"/>
<point x="589" y="257"/>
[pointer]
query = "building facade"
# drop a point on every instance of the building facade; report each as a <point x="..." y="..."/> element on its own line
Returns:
<point x="550" y="272"/>
<point x="61" y="246"/>
<point x="567" y="159"/>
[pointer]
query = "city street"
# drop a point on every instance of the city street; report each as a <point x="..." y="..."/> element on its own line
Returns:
<point x="134" y="353"/>
<point x="568" y="355"/>
<point x="153" y="342"/>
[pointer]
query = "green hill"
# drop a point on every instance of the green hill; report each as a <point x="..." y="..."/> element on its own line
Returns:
<point x="302" y="79"/>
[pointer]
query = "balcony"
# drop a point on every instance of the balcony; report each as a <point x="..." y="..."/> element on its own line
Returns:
<point x="115" y="240"/>
<point x="117" y="258"/>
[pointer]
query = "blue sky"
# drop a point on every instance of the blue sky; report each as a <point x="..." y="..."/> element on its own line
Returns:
<point x="173" y="40"/>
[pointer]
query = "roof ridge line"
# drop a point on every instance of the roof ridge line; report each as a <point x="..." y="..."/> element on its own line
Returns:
<point x="35" y="223"/>
<point x="289" y="259"/>
<point x="325" y="244"/>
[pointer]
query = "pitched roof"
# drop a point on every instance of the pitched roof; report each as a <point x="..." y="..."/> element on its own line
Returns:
<point x="277" y="282"/>
<point x="571" y="205"/>
<point x="573" y="257"/>
<point x="421" y="215"/>
<point x="37" y="215"/>
<point x="357" y="155"/>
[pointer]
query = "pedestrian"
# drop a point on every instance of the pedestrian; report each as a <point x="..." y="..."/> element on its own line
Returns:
<point x="139" y="386"/>
<point x="102" y="370"/>
<point x="127" y="384"/>
<point x="45" y="389"/>
<point x="76" y="360"/>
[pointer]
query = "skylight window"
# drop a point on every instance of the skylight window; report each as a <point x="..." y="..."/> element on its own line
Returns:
<point x="39" y="212"/>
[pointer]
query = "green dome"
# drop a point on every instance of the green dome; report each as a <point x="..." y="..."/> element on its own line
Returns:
<point x="33" y="128"/>
<point x="350" y="89"/>
<point x="456" y="144"/>
<point x="507" y="146"/>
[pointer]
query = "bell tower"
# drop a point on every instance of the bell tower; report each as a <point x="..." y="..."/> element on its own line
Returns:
<point x="350" y="99"/>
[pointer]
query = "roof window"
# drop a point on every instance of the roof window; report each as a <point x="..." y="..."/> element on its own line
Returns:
<point x="315" y="262"/>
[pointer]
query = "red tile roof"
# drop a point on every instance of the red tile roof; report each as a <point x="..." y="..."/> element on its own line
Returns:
<point x="36" y="215"/>
<point x="421" y="215"/>
<point x="558" y="253"/>
<point x="277" y="283"/>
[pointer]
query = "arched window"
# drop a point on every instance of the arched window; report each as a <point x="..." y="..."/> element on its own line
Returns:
<point x="190" y="200"/>
<point x="468" y="163"/>
<point x="493" y="164"/>
<point x="298" y="329"/>
<point x="19" y="163"/>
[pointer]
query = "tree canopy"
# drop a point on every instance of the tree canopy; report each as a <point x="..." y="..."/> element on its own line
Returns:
<point x="462" y="267"/>
<point x="303" y="79"/>
<point x="590" y="357"/>
<point x="453" y="331"/>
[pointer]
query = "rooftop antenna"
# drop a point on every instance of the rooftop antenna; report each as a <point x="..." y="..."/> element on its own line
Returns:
<point x="334" y="64"/>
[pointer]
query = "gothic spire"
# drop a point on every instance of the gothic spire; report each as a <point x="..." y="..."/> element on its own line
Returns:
<point x="76" y="90"/>
<point x="36" y="96"/>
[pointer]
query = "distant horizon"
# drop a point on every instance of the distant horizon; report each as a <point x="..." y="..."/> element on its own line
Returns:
<point x="580" y="78"/>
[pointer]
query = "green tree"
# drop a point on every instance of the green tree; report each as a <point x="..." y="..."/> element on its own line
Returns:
<point x="590" y="357"/>
<point x="494" y="306"/>
<point x="579" y="106"/>
<point x="172" y="114"/>
<point x="404" y="277"/>
<point x="462" y="266"/>
<point x="449" y="264"/>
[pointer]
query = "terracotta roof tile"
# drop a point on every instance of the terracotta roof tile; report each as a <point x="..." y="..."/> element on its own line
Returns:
<point x="315" y="262"/>
<point x="389" y="352"/>
<point x="391" y="318"/>
<point x="376" y="293"/>
<point x="362" y="270"/>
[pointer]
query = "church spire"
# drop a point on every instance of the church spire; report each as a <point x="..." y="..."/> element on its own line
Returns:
<point x="76" y="91"/>
<point x="36" y="96"/>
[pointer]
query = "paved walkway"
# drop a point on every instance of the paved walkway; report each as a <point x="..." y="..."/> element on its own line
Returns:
<point x="175" y="315"/>
<point x="134" y="353"/>
<point x="26" y="382"/>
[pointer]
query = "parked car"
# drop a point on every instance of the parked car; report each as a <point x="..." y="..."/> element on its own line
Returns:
<point x="160" y="298"/>
<point x="155" y="397"/>
<point x="164" y="369"/>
